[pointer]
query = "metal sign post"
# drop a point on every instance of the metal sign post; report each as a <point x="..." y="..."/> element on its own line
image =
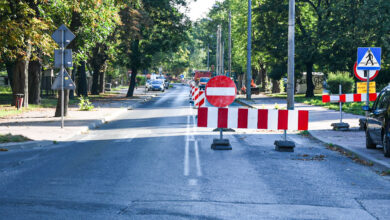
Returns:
<point x="63" y="36"/>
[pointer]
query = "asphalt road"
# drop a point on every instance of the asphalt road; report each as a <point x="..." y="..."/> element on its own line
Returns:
<point x="153" y="163"/>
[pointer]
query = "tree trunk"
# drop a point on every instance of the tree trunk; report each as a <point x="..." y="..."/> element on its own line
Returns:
<point x="102" y="77"/>
<point x="275" y="86"/>
<point x="309" y="80"/>
<point x="9" y="66"/>
<point x="130" y="92"/>
<point x="59" y="102"/>
<point x="135" y="64"/>
<point x="83" y="84"/>
<point x="95" y="80"/>
<point x="34" y="84"/>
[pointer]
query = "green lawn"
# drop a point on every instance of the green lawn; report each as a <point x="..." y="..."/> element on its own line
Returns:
<point x="351" y="107"/>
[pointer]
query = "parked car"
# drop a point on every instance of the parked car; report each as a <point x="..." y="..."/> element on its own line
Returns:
<point x="378" y="124"/>
<point x="157" y="85"/>
<point x="203" y="82"/>
<point x="148" y="84"/>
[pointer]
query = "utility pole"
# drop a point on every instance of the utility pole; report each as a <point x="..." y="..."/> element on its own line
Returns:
<point x="208" y="57"/>
<point x="249" y="60"/>
<point x="291" y="53"/>
<point x="217" y="54"/>
<point x="230" y="43"/>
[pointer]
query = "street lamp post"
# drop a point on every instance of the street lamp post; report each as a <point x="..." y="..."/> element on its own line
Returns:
<point x="291" y="52"/>
<point x="248" y="62"/>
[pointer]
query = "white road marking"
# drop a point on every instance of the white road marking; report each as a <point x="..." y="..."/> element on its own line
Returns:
<point x="198" y="168"/>
<point x="186" y="152"/>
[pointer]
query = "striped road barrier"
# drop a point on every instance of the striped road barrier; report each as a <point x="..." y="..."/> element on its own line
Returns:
<point x="269" y="119"/>
<point x="349" y="98"/>
<point x="201" y="100"/>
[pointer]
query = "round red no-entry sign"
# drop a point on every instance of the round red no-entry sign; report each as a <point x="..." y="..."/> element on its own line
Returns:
<point x="360" y="73"/>
<point x="221" y="91"/>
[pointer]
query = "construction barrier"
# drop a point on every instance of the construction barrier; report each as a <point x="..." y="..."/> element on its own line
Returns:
<point x="200" y="101"/>
<point x="349" y="98"/>
<point x="269" y="119"/>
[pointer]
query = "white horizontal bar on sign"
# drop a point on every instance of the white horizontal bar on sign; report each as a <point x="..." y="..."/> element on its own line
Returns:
<point x="221" y="91"/>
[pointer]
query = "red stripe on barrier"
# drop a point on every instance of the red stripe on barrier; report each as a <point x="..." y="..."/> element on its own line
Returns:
<point x="201" y="102"/>
<point x="326" y="98"/>
<point x="222" y="117"/>
<point x="242" y="118"/>
<point x="343" y="98"/>
<point x="283" y="120"/>
<point x="357" y="97"/>
<point x="372" y="97"/>
<point x="262" y="119"/>
<point x="303" y="120"/>
<point x="202" y="117"/>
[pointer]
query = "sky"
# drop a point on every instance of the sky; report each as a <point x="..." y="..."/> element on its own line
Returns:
<point x="200" y="8"/>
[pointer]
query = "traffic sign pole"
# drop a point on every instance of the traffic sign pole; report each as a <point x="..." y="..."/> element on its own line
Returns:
<point x="62" y="77"/>
<point x="366" y="72"/>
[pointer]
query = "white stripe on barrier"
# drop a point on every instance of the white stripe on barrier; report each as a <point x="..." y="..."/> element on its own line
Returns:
<point x="293" y="120"/>
<point x="221" y="91"/>
<point x="363" y="98"/>
<point x="272" y="115"/>
<point x="252" y="118"/>
<point x="212" y="119"/>
<point x="349" y="98"/>
<point x="233" y="117"/>
<point x="334" y="98"/>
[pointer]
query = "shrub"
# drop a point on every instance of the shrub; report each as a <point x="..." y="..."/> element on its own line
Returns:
<point x="141" y="80"/>
<point x="343" y="78"/>
<point x="85" y="104"/>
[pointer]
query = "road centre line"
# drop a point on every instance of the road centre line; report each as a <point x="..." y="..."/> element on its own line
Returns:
<point x="186" y="152"/>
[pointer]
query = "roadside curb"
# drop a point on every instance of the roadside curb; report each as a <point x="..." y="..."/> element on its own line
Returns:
<point x="242" y="102"/>
<point x="376" y="163"/>
<point x="39" y="144"/>
<point x="26" y="145"/>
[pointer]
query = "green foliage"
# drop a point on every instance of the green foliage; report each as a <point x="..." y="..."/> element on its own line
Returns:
<point x="6" y="138"/>
<point x="343" y="78"/>
<point x="5" y="90"/>
<point x="85" y="104"/>
<point x="141" y="80"/>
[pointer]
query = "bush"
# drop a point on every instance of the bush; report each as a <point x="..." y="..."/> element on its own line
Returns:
<point x="343" y="78"/>
<point x="85" y="104"/>
<point x="141" y="80"/>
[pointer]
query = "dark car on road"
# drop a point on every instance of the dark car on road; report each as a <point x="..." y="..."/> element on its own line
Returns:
<point x="378" y="124"/>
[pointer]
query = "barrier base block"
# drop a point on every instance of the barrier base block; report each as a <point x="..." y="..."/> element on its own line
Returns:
<point x="224" y="130"/>
<point x="340" y="126"/>
<point x="284" y="146"/>
<point x="221" y="144"/>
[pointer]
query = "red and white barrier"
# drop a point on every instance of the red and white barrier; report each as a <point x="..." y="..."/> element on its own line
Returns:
<point x="195" y="94"/>
<point x="349" y="98"/>
<point x="270" y="119"/>
<point x="201" y="100"/>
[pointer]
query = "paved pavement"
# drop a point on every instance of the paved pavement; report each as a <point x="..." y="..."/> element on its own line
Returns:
<point x="42" y="127"/>
<point x="154" y="163"/>
<point x="320" y="120"/>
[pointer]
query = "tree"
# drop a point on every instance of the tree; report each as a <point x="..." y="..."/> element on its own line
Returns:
<point x="153" y="27"/>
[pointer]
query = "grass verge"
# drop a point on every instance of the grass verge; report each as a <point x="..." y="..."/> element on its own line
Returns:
<point x="7" y="138"/>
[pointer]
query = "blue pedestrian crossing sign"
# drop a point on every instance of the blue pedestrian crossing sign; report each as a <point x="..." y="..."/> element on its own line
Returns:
<point x="369" y="58"/>
<point x="182" y="76"/>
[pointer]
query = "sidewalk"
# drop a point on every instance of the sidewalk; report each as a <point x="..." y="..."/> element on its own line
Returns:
<point x="43" y="128"/>
<point x="320" y="120"/>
